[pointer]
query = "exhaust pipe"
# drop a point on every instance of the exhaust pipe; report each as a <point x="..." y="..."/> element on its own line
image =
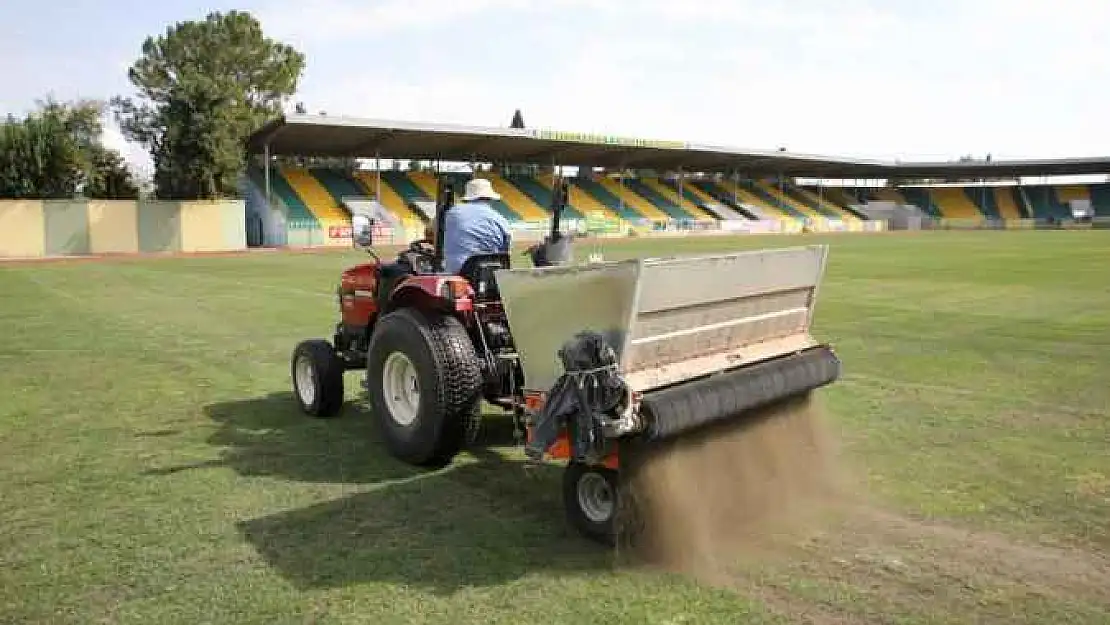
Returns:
<point x="555" y="248"/>
<point x="445" y="199"/>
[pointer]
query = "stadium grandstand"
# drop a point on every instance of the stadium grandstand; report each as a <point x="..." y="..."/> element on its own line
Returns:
<point x="620" y="183"/>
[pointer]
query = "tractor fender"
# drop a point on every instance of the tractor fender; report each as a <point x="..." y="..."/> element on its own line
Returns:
<point x="432" y="292"/>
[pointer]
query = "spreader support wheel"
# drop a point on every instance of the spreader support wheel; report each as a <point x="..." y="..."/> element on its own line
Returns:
<point x="590" y="497"/>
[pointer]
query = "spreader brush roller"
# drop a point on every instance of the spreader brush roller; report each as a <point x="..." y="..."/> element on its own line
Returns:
<point x="673" y="411"/>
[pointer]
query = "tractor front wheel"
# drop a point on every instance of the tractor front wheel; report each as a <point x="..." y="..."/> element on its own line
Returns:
<point x="424" y="382"/>
<point x="317" y="373"/>
<point x="590" y="499"/>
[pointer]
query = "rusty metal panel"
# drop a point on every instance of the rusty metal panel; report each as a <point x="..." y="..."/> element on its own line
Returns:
<point x="665" y="375"/>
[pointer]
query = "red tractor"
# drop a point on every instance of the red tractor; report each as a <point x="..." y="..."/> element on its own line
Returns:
<point x="584" y="357"/>
<point x="433" y="346"/>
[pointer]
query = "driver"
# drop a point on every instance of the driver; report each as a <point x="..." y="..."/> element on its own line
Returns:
<point x="473" y="227"/>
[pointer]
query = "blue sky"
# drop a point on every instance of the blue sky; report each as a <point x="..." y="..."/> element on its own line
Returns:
<point x="907" y="79"/>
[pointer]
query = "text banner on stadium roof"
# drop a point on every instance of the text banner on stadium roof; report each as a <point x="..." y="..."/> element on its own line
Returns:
<point x="581" y="137"/>
<point x="321" y="135"/>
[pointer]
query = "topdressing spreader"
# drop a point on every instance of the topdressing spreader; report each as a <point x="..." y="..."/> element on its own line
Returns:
<point x="586" y="357"/>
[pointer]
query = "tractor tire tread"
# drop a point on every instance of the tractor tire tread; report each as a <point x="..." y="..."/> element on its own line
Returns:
<point x="458" y="380"/>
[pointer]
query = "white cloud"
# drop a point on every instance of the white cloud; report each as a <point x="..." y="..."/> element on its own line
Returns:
<point x="894" y="78"/>
<point x="137" y="158"/>
<point x="335" y="20"/>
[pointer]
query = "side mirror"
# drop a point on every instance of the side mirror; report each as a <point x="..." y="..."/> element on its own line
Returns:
<point x="362" y="231"/>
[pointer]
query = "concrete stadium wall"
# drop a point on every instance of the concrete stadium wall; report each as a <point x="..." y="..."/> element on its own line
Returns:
<point x="325" y="233"/>
<point x="67" y="227"/>
<point x="51" y="228"/>
<point x="159" y="227"/>
<point x="22" y="229"/>
<point x="112" y="227"/>
<point x="973" y="223"/>
<point x="211" y="226"/>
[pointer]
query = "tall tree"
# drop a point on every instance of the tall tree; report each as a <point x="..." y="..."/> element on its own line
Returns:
<point x="203" y="87"/>
<point x="57" y="152"/>
<point x="103" y="172"/>
<point x="110" y="179"/>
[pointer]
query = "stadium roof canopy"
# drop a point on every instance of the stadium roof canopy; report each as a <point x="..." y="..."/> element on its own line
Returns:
<point x="322" y="135"/>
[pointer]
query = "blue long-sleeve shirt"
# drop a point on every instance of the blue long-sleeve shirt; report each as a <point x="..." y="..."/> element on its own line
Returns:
<point x="473" y="228"/>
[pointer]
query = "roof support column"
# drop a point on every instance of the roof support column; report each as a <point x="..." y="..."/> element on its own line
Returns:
<point x="620" y="196"/>
<point x="378" y="176"/>
<point x="782" y="195"/>
<point x="680" y="196"/>
<point x="266" y="172"/>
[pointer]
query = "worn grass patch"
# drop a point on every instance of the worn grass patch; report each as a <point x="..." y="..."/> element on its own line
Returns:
<point x="153" y="468"/>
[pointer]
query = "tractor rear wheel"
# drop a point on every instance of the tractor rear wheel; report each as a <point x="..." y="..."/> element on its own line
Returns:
<point x="317" y="373"/>
<point x="424" y="383"/>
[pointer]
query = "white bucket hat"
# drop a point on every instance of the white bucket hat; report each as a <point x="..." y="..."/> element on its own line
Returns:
<point x="479" y="188"/>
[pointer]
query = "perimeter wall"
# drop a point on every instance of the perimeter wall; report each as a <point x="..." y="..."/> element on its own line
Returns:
<point x="47" y="228"/>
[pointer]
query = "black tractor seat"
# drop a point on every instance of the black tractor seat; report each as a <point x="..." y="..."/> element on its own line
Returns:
<point x="479" y="270"/>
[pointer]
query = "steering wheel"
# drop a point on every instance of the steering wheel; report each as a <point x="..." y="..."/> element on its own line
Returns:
<point x="423" y="247"/>
<point x="418" y="257"/>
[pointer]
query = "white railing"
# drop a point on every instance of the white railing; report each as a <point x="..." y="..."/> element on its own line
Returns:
<point x="337" y="234"/>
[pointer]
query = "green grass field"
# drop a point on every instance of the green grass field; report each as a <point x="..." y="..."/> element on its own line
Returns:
<point x="154" y="469"/>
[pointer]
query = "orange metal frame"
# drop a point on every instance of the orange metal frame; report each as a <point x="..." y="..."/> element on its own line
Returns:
<point x="561" y="449"/>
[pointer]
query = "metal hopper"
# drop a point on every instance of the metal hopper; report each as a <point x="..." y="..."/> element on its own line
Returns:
<point x="695" y="339"/>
